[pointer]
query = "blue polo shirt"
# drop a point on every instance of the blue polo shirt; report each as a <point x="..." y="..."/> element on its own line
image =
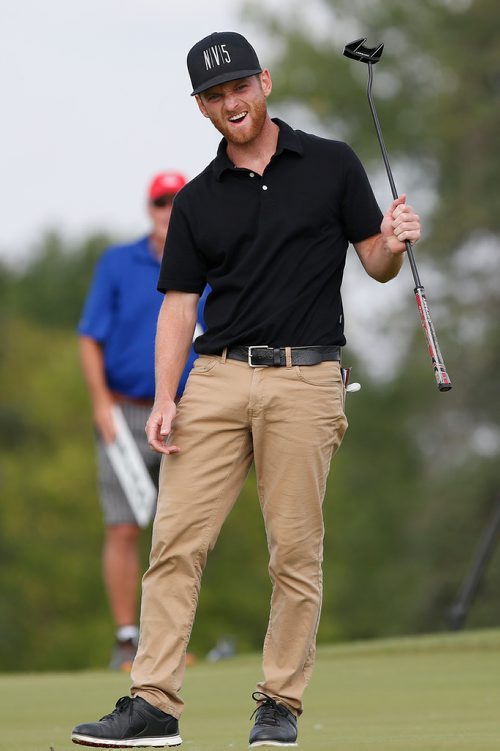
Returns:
<point x="121" y="312"/>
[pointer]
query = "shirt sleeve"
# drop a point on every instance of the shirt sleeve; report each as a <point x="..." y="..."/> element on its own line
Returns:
<point x="97" y="312"/>
<point x="361" y="214"/>
<point x="183" y="268"/>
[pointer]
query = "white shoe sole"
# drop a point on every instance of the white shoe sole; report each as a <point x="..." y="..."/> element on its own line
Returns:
<point x="159" y="742"/>
<point x="273" y="743"/>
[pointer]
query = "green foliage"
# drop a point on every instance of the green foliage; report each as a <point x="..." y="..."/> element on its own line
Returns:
<point x="50" y="526"/>
<point x="50" y="290"/>
<point x="53" y="610"/>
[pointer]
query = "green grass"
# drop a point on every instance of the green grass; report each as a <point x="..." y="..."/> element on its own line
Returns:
<point x="433" y="693"/>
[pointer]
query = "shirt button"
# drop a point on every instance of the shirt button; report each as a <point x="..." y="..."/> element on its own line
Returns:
<point x="264" y="187"/>
<point x="252" y="174"/>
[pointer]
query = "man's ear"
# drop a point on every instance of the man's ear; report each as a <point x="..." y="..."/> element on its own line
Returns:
<point x="201" y="106"/>
<point x="266" y="82"/>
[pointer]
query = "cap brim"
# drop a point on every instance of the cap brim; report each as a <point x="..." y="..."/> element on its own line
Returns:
<point x="224" y="77"/>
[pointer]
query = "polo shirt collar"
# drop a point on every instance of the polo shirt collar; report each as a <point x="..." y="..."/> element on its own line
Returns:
<point x="288" y="140"/>
<point x="143" y="252"/>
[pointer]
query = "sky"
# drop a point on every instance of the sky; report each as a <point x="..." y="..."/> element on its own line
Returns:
<point x="96" y="100"/>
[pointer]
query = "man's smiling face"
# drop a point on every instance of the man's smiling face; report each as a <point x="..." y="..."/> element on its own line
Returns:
<point x="237" y="108"/>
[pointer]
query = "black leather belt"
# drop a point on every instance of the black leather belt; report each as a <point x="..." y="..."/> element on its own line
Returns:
<point x="261" y="356"/>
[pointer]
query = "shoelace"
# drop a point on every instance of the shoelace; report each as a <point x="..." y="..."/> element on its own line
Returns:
<point x="122" y="705"/>
<point x="268" y="710"/>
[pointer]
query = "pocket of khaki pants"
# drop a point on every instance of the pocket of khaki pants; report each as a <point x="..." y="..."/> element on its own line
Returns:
<point x="324" y="374"/>
<point x="204" y="364"/>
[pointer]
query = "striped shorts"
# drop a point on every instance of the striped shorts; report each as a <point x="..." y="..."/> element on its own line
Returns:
<point x="115" y="506"/>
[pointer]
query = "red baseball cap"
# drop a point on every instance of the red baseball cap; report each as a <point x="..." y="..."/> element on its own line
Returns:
<point x="165" y="184"/>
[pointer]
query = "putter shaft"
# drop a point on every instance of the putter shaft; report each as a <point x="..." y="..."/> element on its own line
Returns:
<point x="409" y="249"/>
<point x="357" y="50"/>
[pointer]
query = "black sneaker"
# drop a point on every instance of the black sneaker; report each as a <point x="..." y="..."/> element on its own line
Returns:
<point x="274" y="725"/>
<point x="134" y="723"/>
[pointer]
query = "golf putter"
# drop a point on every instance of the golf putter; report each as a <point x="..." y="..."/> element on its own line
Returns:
<point x="371" y="55"/>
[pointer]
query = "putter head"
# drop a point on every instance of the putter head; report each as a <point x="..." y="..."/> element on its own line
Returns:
<point x="357" y="51"/>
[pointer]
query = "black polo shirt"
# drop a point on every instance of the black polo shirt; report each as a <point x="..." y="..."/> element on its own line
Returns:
<point x="272" y="247"/>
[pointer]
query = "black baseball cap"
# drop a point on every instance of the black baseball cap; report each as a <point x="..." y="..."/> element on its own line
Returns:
<point x="220" y="57"/>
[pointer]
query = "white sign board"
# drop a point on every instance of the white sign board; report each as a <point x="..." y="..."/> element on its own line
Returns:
<point x="131" y="471"/>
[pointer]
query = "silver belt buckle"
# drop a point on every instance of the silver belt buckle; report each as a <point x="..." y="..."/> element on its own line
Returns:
<point x="256" y="346"/>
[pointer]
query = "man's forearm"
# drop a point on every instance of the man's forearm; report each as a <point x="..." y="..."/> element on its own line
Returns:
<point x="94" y="373"/>
<point x="380" y="262"/>
<point x="382" y="254"/>
<point x="92" y="361"/>
<point x="174" y="335"/>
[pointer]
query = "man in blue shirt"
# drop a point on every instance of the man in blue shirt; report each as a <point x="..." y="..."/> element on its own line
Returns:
<point x="117" y="338"/>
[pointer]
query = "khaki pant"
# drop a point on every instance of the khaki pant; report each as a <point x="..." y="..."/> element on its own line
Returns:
<point x="289" y="421"/>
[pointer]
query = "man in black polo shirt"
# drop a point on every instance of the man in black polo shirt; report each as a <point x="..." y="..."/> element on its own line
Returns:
<point x="267" y="224"/>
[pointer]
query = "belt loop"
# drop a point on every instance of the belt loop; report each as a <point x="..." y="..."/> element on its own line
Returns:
<point x="224" y="355"/>
<point x="288" y="357"/>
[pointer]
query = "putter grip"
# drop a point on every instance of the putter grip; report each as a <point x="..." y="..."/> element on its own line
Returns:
<point x="440" y="373"/>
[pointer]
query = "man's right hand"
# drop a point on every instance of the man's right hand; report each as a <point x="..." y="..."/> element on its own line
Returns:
<point x="158" y="428"/>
